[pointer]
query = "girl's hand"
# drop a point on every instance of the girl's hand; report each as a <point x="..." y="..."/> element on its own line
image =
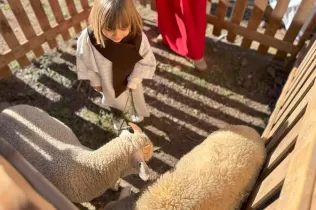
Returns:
<point x="131" y="89"/>
<point x="98" y="89"/>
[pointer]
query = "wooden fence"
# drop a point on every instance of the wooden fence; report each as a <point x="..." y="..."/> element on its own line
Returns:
<point x="249" y="33"/>
<point x="23" y="187"/>
<point x="288" y="178"/>
<point x="34" y="41"/>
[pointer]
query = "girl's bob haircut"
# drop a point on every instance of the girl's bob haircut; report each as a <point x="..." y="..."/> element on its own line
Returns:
<point x="112" y="15"/>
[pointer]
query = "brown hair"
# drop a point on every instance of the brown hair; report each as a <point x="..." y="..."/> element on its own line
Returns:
<point x="113" y="14"/>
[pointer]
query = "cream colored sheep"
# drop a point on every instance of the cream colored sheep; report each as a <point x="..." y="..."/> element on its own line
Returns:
<point x="218" y="174"/>
<point x="78" y="172"/>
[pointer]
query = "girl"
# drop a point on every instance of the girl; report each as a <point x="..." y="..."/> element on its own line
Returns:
<point x="182" y="25"/>
<point x="115" y="56"/>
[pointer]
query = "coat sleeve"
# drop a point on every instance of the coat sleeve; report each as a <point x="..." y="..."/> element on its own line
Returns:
<point x="82" y="61"/>
<point x="145" y="68"/>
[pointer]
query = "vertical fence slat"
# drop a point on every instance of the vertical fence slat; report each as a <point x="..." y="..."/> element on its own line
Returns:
<point x="43" y="20"/>
<point x="72" y="11"/>
<point x="255" y="19"/>
<point x="220" y="13"/>
<point x="237" y="16"/>
<point x="275" y="21"/>
<point x="10" y="38"/>
<point x="302" y="13"/>
<point x="59" y="17"/>
<point x="24" y="22"/>
<point x="5" y="72"/>
<point x="84" y="4"/>
<point x="302" y="41"/>
<point x="153" y="5"/>
<point x="143" y="2"/>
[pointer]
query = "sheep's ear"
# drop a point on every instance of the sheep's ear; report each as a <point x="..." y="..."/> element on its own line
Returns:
<point x="143" y="170"/>
<point x="141" y="167"/>
<point x="135" y="128"/>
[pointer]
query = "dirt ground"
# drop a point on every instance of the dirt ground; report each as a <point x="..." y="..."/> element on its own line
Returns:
<point x="240" y="87"/>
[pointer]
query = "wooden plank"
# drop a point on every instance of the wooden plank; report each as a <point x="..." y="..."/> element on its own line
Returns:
<point x="307" y="33"/>
<point x="43" y="20"/>
<point x="5" y="72"/>
<point x="307" y="58"/>
<point x="59" y="17"/>
<point x="24" y="22"/>
<point x="283" y="126"/>
<point x="220" y="14"/>
<point x="85" y="4"/>
<point x="143" y="2"/>
<point x="11" y="40"/>
<point x="294" y="93"/>
<point x="274" y="23"/>
<point x="273" y="117"/>
<point x="301" y="14"/>
<point x="299" y="91"/>
<point x="283" y="147"/>
<point x="72" y="12"/>
<point x="15" y="189"/>
<point x="38" y="181"/>
<point x="238" y="13"/>
<point x="153" y="5"/>
<point x="255" y="19"/>
<point x="298" y="94"/>
<point x="303" y="54"/>
<point x="298" y="189"/>
<point x="253" y="35"/>
<point x="20" y="50"/>
<point x="269" y="185"/>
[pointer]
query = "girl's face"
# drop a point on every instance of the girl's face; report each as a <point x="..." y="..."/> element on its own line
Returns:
<point x="116" y="35"/>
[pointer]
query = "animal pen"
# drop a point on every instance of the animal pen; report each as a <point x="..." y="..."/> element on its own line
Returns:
<point x="287" y="180"/>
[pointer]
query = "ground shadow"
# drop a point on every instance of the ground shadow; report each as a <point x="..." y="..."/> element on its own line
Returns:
<point x="185" y="105"/>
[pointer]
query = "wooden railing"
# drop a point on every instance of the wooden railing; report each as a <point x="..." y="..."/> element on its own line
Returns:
<point x="288" y="178"/>
<point x="34" y="41"/>
<point x="17" y="50"/>
<point x="249" y="33"/>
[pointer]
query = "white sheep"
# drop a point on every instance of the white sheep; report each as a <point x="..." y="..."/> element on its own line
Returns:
<point x="218" y="174"/>
<point x="77" y="171"/>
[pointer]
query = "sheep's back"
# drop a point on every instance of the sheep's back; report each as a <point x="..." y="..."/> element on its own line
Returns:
<point x="44" y="141"/>
<point x="217" y="174"/>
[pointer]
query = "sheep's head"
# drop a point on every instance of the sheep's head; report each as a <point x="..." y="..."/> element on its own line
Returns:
<point x="141" y="150"/>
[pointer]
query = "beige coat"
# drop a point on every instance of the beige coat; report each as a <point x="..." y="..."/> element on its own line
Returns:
<point x="92" y="66"/>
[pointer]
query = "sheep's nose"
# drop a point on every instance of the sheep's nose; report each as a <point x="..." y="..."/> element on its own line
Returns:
<point x="144" y="177"/>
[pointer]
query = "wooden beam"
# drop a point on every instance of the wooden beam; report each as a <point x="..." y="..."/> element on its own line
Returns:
<point x="220" y="14"/>
<point x="255" y="19"/>
<point x="238" y="13"/>
<point x="301" y="14"/>
<point x="48" y="35"/>
<point x="274" y="23"/>
<point x="253" y="35"/>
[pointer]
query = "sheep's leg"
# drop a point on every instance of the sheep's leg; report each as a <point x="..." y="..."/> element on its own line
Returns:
<point x="125" y="192"/>
<point x="116" y="187"/>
